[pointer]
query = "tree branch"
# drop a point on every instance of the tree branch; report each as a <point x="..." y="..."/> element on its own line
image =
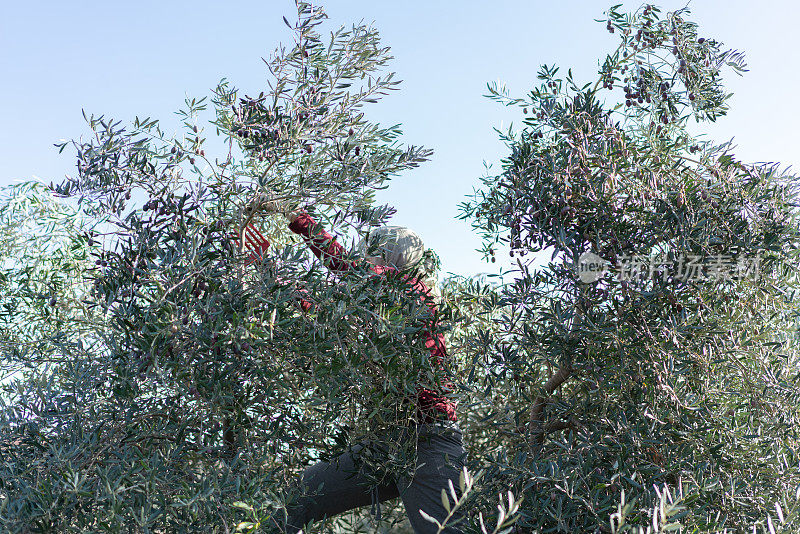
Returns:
<point x="535" y="427"/>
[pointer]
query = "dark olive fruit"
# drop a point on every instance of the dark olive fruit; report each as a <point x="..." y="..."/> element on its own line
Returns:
<point x="194" y="128"/>
<point x="701" y="40"/>
<point x="691" y="96"/>
<point x="350" y="132"/>
<point x="308" y="148"/>
<point x="52" y="301"/>
<point x="173" y="150"/>
<point x="191" y="160"/>
<point x="203" y="153"/>
<point x="358" y="150"/>
<point x="127" y="195"/>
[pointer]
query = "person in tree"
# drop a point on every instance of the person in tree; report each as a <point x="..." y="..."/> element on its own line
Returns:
<point x="331" y="488"/>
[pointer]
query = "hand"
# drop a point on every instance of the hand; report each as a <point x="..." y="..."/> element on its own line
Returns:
<point x="275" y="206"/>
<point x="268" y="204"/>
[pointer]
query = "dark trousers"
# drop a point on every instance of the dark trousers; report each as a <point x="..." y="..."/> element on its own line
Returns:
<point x="330" y="488"/>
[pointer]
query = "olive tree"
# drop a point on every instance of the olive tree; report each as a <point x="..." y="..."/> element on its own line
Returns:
<point x="645" y="344"/>
<point x="205" y="375"/>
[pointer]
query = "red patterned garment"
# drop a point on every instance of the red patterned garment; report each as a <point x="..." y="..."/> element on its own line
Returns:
<point x="431" y="405"/>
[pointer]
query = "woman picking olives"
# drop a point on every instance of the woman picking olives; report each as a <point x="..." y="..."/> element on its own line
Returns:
<point x="347" y="482"/>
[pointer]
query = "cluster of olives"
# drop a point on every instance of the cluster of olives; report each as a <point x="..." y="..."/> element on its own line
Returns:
<point x="160" y="206"/>
<point x="101" y="260"/>
<point x="639" y="95"/>
<point x="516" y="243"/>
<point x="259" y="124"/>
<point x="645" y="38"/>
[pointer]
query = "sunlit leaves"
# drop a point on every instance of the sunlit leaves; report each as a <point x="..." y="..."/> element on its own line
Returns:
<point x="658" y="365"/>
<point x="180" y="377"/>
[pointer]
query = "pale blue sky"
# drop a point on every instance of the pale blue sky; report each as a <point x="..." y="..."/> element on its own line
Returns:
<point x="142" y="58"/>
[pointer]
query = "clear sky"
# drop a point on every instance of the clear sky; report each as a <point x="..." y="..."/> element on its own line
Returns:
<point x="124" y="59"/>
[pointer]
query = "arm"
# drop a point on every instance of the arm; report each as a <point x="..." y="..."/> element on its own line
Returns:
<point x="324" y="245"/>
<point x="331" y="253"/>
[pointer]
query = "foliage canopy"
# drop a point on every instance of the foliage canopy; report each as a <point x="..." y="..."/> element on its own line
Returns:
<point x="155" y="378"/>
